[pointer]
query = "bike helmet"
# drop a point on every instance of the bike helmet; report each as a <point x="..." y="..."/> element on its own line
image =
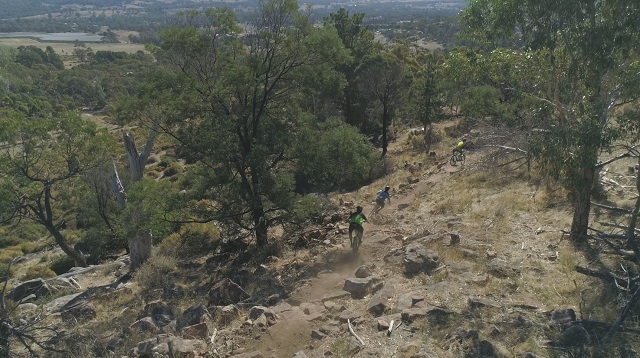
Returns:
<point x="359" y="209"/>
<point x="386" y="188"/>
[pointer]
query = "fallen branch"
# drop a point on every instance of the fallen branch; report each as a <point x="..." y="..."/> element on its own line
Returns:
<point x="606" y="276"/>
<point x="507" y="148"/>
<point x="390" y="328"/>
<point x="354" y="333"/>
<point x="612" y="208"/>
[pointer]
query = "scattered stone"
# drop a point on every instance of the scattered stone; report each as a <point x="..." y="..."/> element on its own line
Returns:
<point x="195" y="314"/>
<point x="383" y="325"/>
<point x="335" y="296"/>
<point x="80" y="312"/>
<point x="358" y="287"/>
<point x="261" y="311"/>
<point x="58" y="283"/>
<point x="226" y="292"/>
<point x="454" y="239"/>
<point x="500" y="268"/>
<point x="485" y="349"/>
<point x="347" y="315"/>
<point x="330" y="329"/>
<point x="363" y="271"/>
<point x="564" y="318"/>
<point x="186" y="348"/>
<point x="300" y="354"/>
<point x="417" y="259"/>
<point x="409" y="349"/>
<point x="36" y="287"/>
<point x="478" y="302"/>
<point x="145" y="324"/>
<point x="226" y="314"/>
<point x="379" y="303"/>
<point x="197" y="331"/>
<point x="316" y="334"/>
<point x="574" y="336"/>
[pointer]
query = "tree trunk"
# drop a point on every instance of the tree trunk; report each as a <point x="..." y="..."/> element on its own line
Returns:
<point x="385" y="124"/>
<point x="4" y="339"/>
<point x="261" y="227"/>
<point x="139" y="250"/>
<point x="630" y="235"/>
<point x="582" y="205"/>
<point x="140" y="243"/>
<point x="118" y="188"/>
<point x="77" y="257"/>
<point x="428" y="130"/>
<point x="45" y="216"/>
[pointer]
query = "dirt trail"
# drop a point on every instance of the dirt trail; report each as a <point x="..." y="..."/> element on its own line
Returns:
<point x="306" y="309"/>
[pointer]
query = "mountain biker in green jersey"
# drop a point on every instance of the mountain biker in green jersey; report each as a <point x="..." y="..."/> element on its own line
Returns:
<point x="355" y="222"/>
<point x="459" y="146"/>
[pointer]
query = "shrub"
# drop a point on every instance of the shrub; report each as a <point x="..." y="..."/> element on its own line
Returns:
<point x="38" y="271"/>
<point x="155" y="273"/>
<point x="192" y="239"/>
<point x="335" y="156"/>
<point x="9" y="253"/>
<point x="62" y="265"/>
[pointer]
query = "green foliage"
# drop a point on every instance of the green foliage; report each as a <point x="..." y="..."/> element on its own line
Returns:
<point x="61" y="265"/>
<point x="156" y="272"/>
<point x="191" y="240"/>
<point x="38" y="271"/>
<point x="333" y="155"/>
<point x="150" y="206"/>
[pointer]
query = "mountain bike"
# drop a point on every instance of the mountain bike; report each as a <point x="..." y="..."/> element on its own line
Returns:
<point x="356" y="240"/>
<point x="457" y="157"/>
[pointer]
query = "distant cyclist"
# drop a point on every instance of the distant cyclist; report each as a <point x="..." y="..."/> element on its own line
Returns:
<point x="355" y="223"/>
<point x="381" y="197"/>
<point x="461" y="144"/>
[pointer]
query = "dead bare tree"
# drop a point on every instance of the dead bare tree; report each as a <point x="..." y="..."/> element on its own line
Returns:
<point x="29" y="332"/>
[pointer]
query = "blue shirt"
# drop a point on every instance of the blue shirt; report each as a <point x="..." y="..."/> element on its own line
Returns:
<point x="384" y="195"/>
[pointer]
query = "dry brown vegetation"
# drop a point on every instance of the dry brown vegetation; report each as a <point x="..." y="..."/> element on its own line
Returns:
<point x="502" y="212"/>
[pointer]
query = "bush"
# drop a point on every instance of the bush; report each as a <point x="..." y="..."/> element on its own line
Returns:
<point x="9" y="253"/>
<point x="335" y="156"/>
<point x="192" y="239"/>
<point x="38" y="271"/>
<point x="62" y="264"/>
<point x="155" y="273"/>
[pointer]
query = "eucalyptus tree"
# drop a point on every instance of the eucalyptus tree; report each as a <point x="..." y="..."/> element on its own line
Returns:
<point x="360" y="41"/>
<point x="240" y="112"/>
<point x="41" y="163"/>
<point x="577" y="58"/>
<point x="387" y="81"/>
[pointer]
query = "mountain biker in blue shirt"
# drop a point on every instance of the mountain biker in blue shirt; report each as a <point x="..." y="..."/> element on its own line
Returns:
<point x="381" y="197"/>
<point x="355" y="222"/>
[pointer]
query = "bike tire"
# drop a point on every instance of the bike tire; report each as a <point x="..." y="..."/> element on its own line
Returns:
<point x="453" y="160"/>
<point x="462" y="158"/>
<point x="355" y="243"/>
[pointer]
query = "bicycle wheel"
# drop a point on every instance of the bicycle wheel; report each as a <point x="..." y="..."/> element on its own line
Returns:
<point x="355" y="243"/>
<point x="453" y="160"/>
<point x="461" y="157"/>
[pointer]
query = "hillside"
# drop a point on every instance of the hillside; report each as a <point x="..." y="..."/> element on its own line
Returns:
<point x="468" y="261"/>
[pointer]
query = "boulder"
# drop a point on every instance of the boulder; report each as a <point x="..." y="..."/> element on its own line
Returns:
<point x="197" y="331"/>
<point x="226" y="292"/>
<point x="258" y="311"/>
<point x="186" y="348"/>
<point x="380" y="302"/>
<point x="80" y="312"/>
<point x="36" y="287"/>
<point x="418" y="259"/>
<point x="363" y="271"/>
<point x="195" y="314"/>
<point x="358" y="287"/>
<point x="145" y="324"/>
